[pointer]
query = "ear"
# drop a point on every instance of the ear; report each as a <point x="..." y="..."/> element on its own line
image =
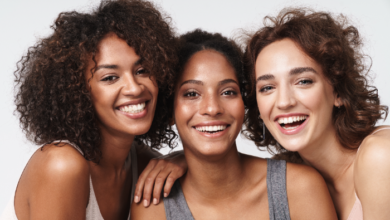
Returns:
<point x="337" y="101"/>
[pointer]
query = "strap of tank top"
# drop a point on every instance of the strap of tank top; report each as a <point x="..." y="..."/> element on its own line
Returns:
<point x="380" y="129"/>
<point x="276" y="188"/>
<point x="70" y="143"/>
<point x="176" y="207"/>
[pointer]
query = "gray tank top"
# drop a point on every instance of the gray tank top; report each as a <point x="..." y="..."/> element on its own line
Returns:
<point x="176" y="207"/>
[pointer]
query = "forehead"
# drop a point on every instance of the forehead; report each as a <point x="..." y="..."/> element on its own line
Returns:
<point x="208" y="66"/>
<point x="113" y="47"/>
<point x="282" y="56"/>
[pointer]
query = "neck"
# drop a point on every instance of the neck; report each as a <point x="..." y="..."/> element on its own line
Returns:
<point x="329" y="158"/>
<point x="216" y="178"/>
<point x="115" y="150"/>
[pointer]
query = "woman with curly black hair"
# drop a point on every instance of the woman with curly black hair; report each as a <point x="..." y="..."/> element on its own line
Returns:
<point x="311" y="101"/>
<point x="222" y="183"/>
<point x="94" y="95"/>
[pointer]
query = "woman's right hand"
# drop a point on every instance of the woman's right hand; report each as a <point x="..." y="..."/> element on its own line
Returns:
<point x="165" y="169"/>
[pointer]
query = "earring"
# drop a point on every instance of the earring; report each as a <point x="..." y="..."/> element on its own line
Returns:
<point x="263" y="131"/>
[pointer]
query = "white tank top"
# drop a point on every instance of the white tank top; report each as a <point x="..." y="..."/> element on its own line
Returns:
<point x="93" y="211"/>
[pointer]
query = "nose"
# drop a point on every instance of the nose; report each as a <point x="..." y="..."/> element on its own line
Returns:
<point x="285" y="98"/>
<point x="211" y="106"/>
<point x="131" y="87"/>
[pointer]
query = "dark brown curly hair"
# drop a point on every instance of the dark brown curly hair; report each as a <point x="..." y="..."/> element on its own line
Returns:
<point x="52" y="98"/>
<point x="336" y="46"/>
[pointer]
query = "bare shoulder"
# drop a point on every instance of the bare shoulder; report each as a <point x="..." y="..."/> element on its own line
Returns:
<point x="372" y="174"/>
<point x="307" y="193"/>
<point x="375" y="148"/>
<point x="372" y="159"/>
<point x="55" y="183"/>
<point x="155" y="212"/>
<point x="61" y="159"/>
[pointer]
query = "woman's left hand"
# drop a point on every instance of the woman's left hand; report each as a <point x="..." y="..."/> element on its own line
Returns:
<point x="165" y="169"/>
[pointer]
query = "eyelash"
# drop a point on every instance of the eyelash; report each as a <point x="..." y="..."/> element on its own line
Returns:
<point x="231" y="93"/>
<point x="308" y="82"/>
<point x="266" y="88"/>
<point x="141" y="71"/>
<point x="191" y="93"/>
<point x="109" y="78"/>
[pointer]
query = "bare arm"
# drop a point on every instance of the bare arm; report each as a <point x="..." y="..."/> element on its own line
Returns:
<point x="155" y="212"/>
<point x="372" y="176"/>
<point x="164" y="169"/>
<point x="308" y="195"/>
<point x="56" y="184"/>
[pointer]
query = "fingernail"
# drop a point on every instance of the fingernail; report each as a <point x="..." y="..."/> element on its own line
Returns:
<point x="136" y="199"/>
<point x="155" y="201"/>
<point x="145" y="202"/>
<point x="165" y="194"/>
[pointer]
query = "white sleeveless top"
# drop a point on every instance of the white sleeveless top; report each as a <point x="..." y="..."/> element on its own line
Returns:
<point x="93" y="211"/>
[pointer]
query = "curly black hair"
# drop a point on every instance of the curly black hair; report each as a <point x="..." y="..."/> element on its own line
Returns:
<point x="52" y="98"/>
<point x="334" y="44"/>
<point x="198" y="40"/>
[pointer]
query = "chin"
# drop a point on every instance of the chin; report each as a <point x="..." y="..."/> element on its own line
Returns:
<point x="296" y="145"/>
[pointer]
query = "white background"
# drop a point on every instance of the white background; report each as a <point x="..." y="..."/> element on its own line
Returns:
<point x="22" y="22"/>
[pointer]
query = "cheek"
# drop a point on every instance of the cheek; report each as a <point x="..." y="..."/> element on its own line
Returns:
<point x="238" y="111"/>
<point x="264" y="103"/>
<point x="184" y="111"/>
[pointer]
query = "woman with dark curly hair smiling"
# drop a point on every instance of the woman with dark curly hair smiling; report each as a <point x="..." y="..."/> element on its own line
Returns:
<point x="93" y="94"/>
<point x="222" y="183"/>
<point x="311" y="100"/>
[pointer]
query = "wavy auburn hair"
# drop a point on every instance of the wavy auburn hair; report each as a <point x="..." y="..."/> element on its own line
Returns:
<point x="52" y="98"/>
<point x="336" y="46"/>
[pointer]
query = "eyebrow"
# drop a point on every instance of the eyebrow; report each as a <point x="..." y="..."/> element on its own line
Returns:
<point x="197" y="82"/>
<point x="226" y="81"/>
<point x="294" y="71"/>
<point x="113" y="66"/>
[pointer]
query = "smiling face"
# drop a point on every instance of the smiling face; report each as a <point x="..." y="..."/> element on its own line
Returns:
<point x="295" y="99"/>
<point x="209" y="110"/>
<point x="123" y="94"/>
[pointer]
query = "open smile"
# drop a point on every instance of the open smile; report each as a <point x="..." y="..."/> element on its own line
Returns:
<point x="291" y="124"/>
<point x="211" y="130"/>
<point x="134" y="110"/>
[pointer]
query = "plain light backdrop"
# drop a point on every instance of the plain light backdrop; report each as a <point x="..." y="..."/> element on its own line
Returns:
<point x="23" y="22"/>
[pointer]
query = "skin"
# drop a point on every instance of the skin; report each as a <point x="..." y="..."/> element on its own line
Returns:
<point x="289" y="81"/>
<point x="220" y="182"/>
<point x="55" y="182"/>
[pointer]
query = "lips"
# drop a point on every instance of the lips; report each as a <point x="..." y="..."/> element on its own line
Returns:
<point x="291" y="124"/>
<point x="134" y="109"/>
<point x="212" y="129"/>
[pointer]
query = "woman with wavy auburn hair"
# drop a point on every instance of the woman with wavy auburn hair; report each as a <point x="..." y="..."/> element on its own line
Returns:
<point x="311" y="100"/>
<point x="89" y="95"/>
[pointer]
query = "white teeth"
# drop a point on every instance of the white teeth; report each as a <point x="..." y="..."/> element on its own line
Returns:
<point x="289" y="120"/>
<point x="211" y="128"/>
<point x="132" y="109"/>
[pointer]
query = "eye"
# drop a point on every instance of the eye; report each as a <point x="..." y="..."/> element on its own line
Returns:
<point x="109" y="78"/>
<point x="191" y="94"/>
<point x="266" y="89"/>
<point x="141" y="71"/>
<point x="229" y="93"/>
<point x="305" y="82"/>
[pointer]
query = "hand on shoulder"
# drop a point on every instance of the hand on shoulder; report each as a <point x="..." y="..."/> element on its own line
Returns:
<point x="56" y="183"/>
<point x="372" y="175"/>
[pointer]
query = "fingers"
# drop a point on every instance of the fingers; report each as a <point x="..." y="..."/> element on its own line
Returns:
<point x="139" y="188"/>
<point x="159" y="184"/>
<point x="173" y="176"/>
<point x="150" y="181"/>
